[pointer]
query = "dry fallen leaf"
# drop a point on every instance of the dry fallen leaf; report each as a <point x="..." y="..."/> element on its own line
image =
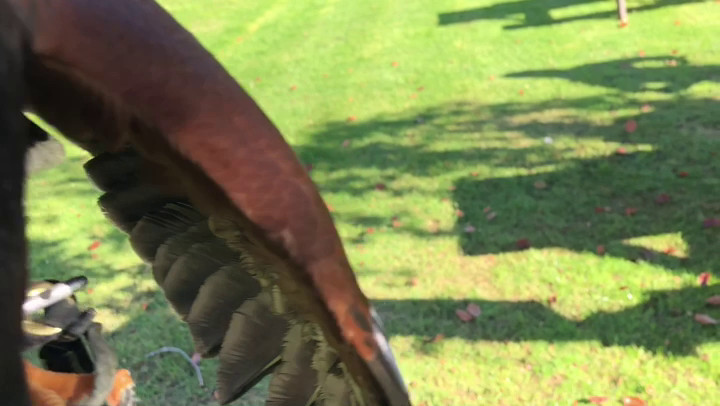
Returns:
<point x="633" y="401"/>
<point x="713" y="300"/>
<point x="597" y="400"/>
<point x="705" y="319"/>
<point x="631" y="126"/>
<point x="540" y="185"/>
<point x="641" y="53"/>
<point x="351" y="119"/>
<point x="380" y="186"/>
<point x="346" y="143"/>
<point x="601" y="250"/>
<point x="631" y="211"/>
<point x="662" y="198"/>
<point x="621" y="151"/>
<point x="474" y="310"/>
<point x="95" y="245"/>
<point x="413" y="282"/>
<point x="490" y="216"/>
<point x="463" y="315"/>
<point x="704" y="278"/>
<point x="711" y="223"/>
<point x="683" y="174"/>
<point x="646" y="108"/>
<point x="459" y="213"/>
<point x="552" y="299"/>
<point x="522" y="243"/>
<point x="438" y="337"/>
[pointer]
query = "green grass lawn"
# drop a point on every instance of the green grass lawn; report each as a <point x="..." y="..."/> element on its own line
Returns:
<point x="446" y="136"/>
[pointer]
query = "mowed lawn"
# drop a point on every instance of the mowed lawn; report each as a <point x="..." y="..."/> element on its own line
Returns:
<point x="528" y="157"/>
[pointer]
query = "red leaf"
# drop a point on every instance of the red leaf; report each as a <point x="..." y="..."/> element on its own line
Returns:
<point x="522" y="244"/>
<point x="413" y="282"/>
<point x="413" y="96"/>
<point x="683" y="174"/>
<point x="662" y="199"/>
<point x="395" y="64"/>
<point x="601" y="250"/>
<point x="145" y="306"/>
<point x="552" y="299"/>
<point x="597" y="400"/>
<point x="293" y="87"/>
<point x="459" y="213"/>
<point x="492" y="77"/>
<point x="711" y="223"/>
<point x="475" y="174"/>
<point x="669" y="250"/>
<point x="463" y="315"/>
<point x="633" y="401"/>
<point x="90" y="291"/>
<point x="521" y="92"/>
<point x="713" y="300"/>
<point x="330" y="208"/>
<point x="641" y="53"/>
<point x="646" y="108"/>
<point x="95" y="245"/>
<point x="600" y="210"/>
<point x="351" y="119"/>
<point x="631" y="211"/>
<point x="474" y="310"/>
<point x="397" y="223"/>
<point x="631" y="126"/>
<point x="370" y="230"/>
<point x="380" y="186"/>
<point x="704" y="319"/>
<point x="621" y="151"/>
<point x="677" y="22"/>
<point x="623" y="24"/>
<point x="704" y="278"/>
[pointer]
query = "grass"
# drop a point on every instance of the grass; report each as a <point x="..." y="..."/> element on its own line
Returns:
<point x="423" y="118"/>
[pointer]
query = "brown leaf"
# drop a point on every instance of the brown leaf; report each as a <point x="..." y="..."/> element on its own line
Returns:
<point x="540" y="185"/>
<point x="631" y="211"/>
<point x="459" y="213"/>
<point x="662" y="198"/>
<point x="669" y="250"/>
<point x="705" y="319"/>
<point x="438" y="337"/>
<point x="380" y="186"/>
<point x="293" y="87"/>
<point x="552" y="299"/>
<point x="346" y="143"/>
<point x="413" y="282"/>
<point x="490" y="216"/>
<point x="351" y="119"/>
<point x="713" y="300"/>
<point x="433" y="226"/>
<point x="631" y="126"/>
<point x="621" y="151"/>
<point x="145" y="306"/>
<point x="711" y="223"/>
<point x="397" y="223"/>
<point x="646" y="108"/>
<point x="463" y="315"/>
<point x="683" y="174"/>
<point x="521" y="92"/>
<point x="421" y="88"/>
<point x="704" y="278"/>
<point x="597" y="400"/>
<point x="633" y="401"/>
<point x="474" y="310"/>
<point x="522" y="244"/>
<point x="601" y="250"/>
<point x="641" y="53"/>
<point x="674" y="52"/>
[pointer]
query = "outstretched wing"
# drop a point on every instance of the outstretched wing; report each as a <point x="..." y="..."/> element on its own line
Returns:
<point x="212" y="196"/>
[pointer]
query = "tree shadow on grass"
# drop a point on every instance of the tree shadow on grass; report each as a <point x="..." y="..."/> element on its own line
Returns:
<point x="662" y="323"/>
<point x="530" y="13"/>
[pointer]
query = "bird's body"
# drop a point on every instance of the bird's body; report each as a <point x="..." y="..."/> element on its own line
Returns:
<point x="212" y="197"/>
